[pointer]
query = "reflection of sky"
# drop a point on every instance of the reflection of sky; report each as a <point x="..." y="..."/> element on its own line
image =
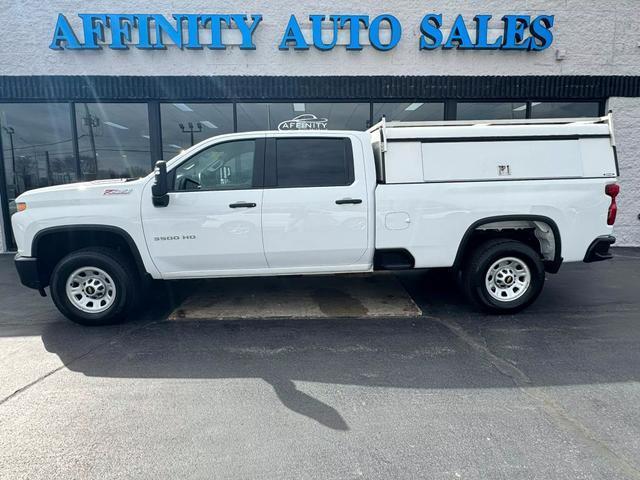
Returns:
<point x="121" y="135"/>
<point x="214" y="119"/>
<point x="42" y="144"/>
<point x="408" y="112"/>
<point x="267" y="116"/>
<point x="37" y="127"/>
<point x="491" y="110"/>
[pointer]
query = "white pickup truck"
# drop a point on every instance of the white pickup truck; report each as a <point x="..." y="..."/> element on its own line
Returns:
<point x="501" y="202"/>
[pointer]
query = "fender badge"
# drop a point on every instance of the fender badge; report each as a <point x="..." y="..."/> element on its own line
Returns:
<point x="117" y="191"/>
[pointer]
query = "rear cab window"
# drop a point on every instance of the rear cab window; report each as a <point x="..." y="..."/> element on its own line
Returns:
<point x="313" y="162"/>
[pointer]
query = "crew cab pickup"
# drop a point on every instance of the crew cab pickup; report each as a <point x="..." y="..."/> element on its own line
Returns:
<point x="499" y="202"/>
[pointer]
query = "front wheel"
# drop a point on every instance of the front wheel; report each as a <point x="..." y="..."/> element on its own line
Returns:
<point x="503" y="276"/>
<point x="94" y="286"/>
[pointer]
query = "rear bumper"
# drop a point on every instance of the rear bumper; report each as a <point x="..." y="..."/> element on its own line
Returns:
<point x="599" y="249"/>
<point x="27" y="268"/>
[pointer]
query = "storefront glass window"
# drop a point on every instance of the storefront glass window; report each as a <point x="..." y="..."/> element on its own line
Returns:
<point x="331" y="116"/>
<point x="185" y="124"/>
<point x="37" y="146"/>
<point x="408" y="112"/>
<point x="113" y="140"/>
<point x="564" y="109"/>
<point x="491" y="110"/>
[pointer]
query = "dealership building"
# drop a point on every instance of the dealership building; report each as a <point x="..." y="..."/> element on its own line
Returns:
<point x="92" y="90"/>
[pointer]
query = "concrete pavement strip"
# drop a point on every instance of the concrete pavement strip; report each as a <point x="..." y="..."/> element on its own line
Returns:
<point x="344" y="296"/>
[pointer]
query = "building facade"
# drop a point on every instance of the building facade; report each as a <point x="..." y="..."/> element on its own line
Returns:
<point x="96" y="89"/>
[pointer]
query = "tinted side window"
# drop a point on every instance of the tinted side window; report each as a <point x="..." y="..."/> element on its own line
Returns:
<point x="314" y="162"/>
<point x="225" y="166"/>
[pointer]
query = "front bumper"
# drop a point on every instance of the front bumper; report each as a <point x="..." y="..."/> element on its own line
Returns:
<point x="27" y="268"/>
<point x="599" y="249"/>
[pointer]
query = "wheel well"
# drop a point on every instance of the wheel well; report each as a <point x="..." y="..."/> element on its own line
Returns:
<point x="539" y="233"/>
<point x="49" y="247"/>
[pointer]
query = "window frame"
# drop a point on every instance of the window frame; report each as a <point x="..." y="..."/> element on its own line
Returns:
<point x="271" y="164"/>
<point x="257" y="181"/>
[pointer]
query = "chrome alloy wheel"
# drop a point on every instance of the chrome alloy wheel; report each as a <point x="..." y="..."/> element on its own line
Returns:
<point x="91" y="290"/>
<point x="508" y="279"/>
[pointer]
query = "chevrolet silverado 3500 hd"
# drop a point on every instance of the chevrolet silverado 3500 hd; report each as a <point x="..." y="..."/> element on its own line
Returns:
<point x="500" y="202"/>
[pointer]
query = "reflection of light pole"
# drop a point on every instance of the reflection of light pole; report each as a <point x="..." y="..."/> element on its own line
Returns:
<point x="47" y="163"/>
<point x="11" y="131"/>
<point x="92" y="122"/>
<point x="191" y="130"/>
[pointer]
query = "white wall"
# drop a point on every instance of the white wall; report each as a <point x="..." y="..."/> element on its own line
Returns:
<point x="626" y="123"/>
<point x="597" y="37"/>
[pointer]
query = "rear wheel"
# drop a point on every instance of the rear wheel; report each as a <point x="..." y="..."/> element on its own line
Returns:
<point x="94" y="286"/>
<point x="503" y="276"/>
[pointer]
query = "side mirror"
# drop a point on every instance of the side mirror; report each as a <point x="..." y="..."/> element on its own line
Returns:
<point x="160" y="187"/>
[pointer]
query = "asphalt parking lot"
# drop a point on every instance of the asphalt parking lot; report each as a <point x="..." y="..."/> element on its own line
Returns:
<point x="553" y="392"/>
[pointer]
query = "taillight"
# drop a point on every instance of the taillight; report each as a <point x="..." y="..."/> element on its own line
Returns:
<point x="612" y="190"/>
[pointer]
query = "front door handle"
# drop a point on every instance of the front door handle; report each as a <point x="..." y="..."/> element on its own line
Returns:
<point x="242" y="205"/>
<point x="345" y="201"/>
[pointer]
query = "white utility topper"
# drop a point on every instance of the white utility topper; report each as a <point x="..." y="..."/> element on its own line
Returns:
<point x="500" y="202"/>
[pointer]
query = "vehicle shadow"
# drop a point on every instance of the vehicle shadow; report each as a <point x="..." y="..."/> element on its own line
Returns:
<point x="427" y="353"/>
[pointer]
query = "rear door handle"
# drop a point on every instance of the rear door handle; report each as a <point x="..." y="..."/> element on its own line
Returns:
<point x="345" y="201"/>
<point x="242" y="205"/>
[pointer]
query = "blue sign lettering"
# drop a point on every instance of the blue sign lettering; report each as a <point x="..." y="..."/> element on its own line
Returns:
<point x="374" y="32"/>
<point x="64" y="33"/>
<point x="459" y="35"/>
<point x="293" y="34"/>
<point x="482" y="34"/>
<point x="316" y="26"/>
<point x="185" y="31"/>
<point x="431" y="35"/>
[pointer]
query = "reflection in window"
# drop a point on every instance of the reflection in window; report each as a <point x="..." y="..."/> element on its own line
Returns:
<point x="223" y="166"/>
<point x="37" y="146"/>
<point x="113" y="140"/>
<point x="564" y="109"/>
<point x="332" y="116"/>
<point x="185" y="124"/>
<point x="491" y="110"/>
<point x="408" y="112"/>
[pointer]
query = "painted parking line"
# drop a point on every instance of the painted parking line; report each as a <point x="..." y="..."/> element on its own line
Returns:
<point x="364" y="296"/>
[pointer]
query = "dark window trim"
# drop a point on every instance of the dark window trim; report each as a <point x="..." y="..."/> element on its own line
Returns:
<point x="74" y="139"/>
<point x="327" y="88"/>
<point x="9" y="241"/>
<point x="155" y="132"/>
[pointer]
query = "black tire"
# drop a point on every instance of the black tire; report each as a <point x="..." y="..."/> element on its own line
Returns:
<point x="117" y="266"/>
<point x="477" y="267"/>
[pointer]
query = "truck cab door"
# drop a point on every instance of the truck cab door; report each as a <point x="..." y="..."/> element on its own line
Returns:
<point x="315" y="204"/>
<point x="212" y="225"/>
